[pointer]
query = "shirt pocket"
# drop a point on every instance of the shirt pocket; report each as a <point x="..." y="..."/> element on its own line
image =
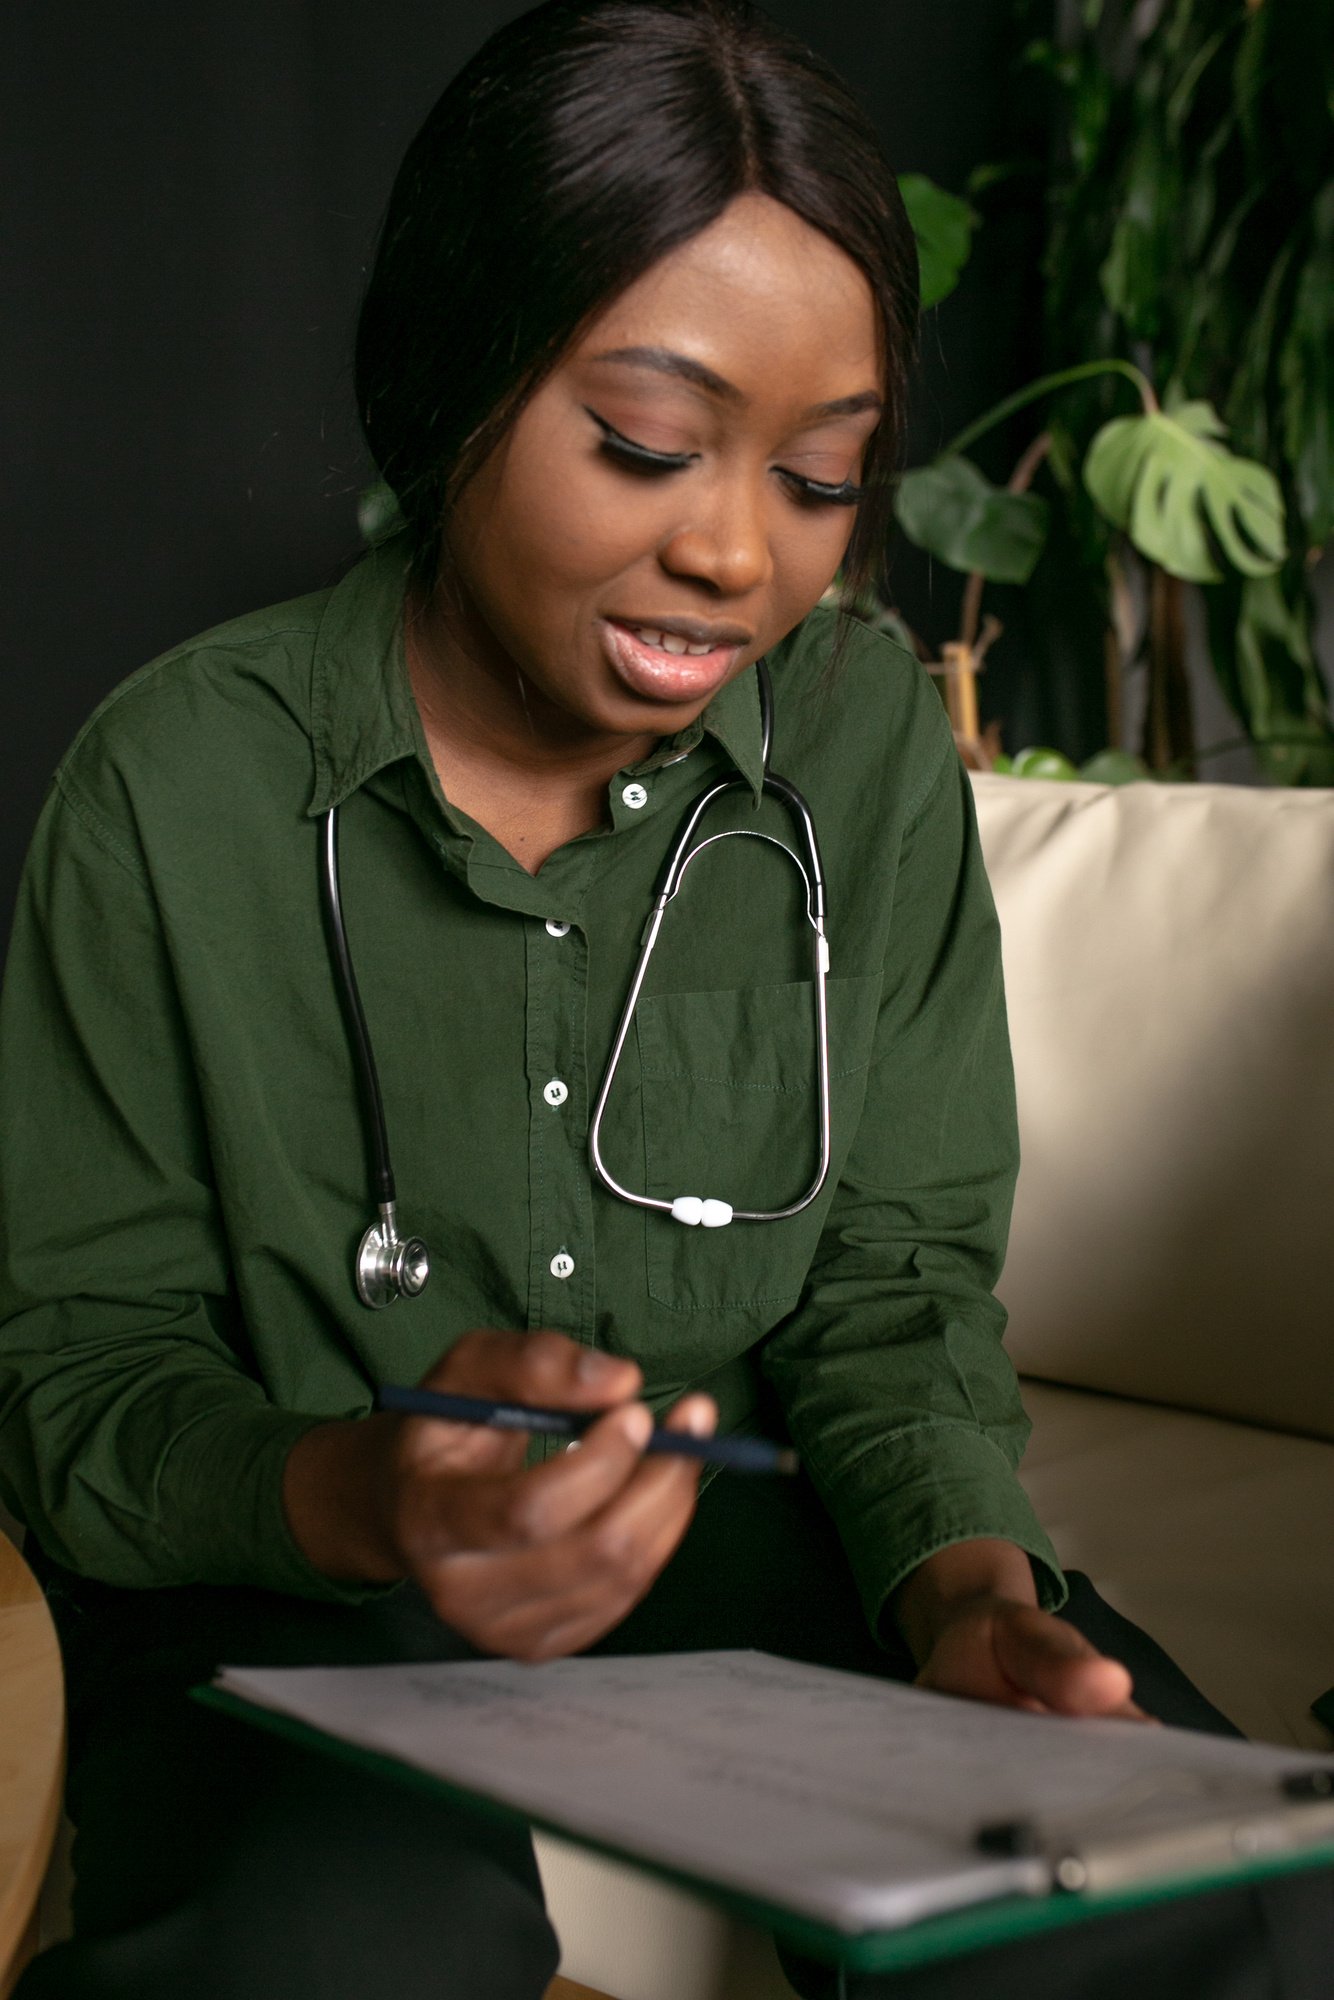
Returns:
<point x="730" y="1108"/>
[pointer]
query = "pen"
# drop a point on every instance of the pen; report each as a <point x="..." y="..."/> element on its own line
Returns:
<point x="738" y="1454"/>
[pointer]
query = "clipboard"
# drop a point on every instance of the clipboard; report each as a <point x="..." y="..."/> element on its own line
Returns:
<point x="1193" y="1814"/>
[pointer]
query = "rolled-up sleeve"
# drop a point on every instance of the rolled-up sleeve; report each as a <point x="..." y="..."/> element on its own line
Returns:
<point x="134" y="1441"/>
<point x="896" y="1386"/>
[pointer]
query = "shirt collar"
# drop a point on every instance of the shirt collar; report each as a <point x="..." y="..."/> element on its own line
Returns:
<point x="732" y="718"/>
<point x="363" y="715"/>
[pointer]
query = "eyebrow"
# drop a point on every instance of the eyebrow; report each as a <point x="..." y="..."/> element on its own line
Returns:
<point x="663" y="361"/>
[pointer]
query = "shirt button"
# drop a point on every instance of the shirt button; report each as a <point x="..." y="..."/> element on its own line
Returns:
<point x="555" y="1092"/>
<point x="634" y="796"/>
<point x="556" y="930"/>
<point x="562" y="1264"/>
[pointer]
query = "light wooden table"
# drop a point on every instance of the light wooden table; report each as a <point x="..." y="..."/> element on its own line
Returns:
<point x="32" y="1756"/>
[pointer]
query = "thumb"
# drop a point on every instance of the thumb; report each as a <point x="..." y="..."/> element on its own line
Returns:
<point x="1043" y="1657"/>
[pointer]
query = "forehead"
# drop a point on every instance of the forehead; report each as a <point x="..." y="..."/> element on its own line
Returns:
<point x="761" y="298"/>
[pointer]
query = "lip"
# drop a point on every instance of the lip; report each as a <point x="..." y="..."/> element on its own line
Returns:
<point x="695" y="631"/>
<point x="655" y="675"/>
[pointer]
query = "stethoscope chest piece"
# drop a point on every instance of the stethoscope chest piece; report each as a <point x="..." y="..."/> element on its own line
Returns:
<point x="390" y="1266"/>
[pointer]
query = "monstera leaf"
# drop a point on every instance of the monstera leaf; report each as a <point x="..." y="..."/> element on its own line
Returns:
<point x="943" y="226"/>
<point x="1170" y="483"/>
<point x="950" y="509"/>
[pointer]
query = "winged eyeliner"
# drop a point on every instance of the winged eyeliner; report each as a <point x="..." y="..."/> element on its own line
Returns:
<point x="640" y="456"/>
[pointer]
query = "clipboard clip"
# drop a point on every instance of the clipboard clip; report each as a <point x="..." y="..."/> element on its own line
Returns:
<point x="1219" y="1839"/>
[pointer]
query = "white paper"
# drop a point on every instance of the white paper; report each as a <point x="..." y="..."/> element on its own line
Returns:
<point x="844" y="1798"/>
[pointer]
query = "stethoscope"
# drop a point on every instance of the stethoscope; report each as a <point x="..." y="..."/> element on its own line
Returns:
<point x="389" y="1266"/>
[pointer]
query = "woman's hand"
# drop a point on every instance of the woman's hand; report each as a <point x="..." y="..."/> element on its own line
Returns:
<point x="993" y="1649"/>
<point x="529" y="1562"/>
<point x="970" y="1615"/>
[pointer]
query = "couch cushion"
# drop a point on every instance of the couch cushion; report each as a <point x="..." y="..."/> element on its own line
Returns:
<point x="1212" y="1536"/>
<point x="634" y="1936"/>
<point x="1169" y="961"/>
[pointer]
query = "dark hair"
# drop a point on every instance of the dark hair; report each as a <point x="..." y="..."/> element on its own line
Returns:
<point x="581" y="143"/>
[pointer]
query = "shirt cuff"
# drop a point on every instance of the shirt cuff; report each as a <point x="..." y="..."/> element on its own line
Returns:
<point x="923" y="1490"/>
<point x="223" y="1474"/>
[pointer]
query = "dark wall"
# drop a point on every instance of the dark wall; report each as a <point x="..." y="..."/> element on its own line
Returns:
<point x="195" y="190"/>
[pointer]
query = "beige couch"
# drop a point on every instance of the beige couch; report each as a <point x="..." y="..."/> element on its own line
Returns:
<point x="1169" y="956"/>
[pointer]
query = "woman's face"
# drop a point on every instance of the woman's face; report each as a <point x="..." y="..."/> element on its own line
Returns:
<point x="681" y="489"/>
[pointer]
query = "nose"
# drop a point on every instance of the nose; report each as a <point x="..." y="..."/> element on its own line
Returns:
<point x="724" y="544"/>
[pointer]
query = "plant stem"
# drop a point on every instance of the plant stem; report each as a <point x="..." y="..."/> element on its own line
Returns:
<point x="1044" y="386"/>
<point x="1112" y="686"/>
<point x="1019" y="482"/>
<point x="1169" y="735"/>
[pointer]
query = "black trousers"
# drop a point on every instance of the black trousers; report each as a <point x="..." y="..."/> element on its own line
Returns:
<point x="215" y="1862"/>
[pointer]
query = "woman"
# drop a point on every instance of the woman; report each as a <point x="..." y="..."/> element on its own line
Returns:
<point x="632" y="360"/>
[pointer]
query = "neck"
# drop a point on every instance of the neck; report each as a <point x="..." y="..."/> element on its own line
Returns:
<point x="477" y="706"/>
<point x="533" y="775"/>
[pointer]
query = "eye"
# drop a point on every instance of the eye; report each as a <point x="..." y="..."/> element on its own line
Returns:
<point x="642" y="458"/>
<point x="815" y="493"/>
<point x="638" y="457"/>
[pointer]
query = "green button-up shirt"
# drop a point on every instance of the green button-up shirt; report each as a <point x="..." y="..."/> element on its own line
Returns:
<point x="183" y="1161"/>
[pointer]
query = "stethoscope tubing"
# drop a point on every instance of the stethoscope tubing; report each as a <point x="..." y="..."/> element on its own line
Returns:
<point x="682" y="854"/>
<point x="388" y="1265"/>
<point x="363" y="1050"/>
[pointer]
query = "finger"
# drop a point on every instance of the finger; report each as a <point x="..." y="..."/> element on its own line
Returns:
<point x="635" y="1533"/>
<point x="534" y="1603"/>
<point x="963" y="1662"/>
<point x="570" y="1489"/>
<point x="591" y="1587"/>
<point x="555" y="1499"/>
<point x="696" y="1413"/>
<point x="1047" y="1659"/>
<point x="564" y="1592"/>
<point x="1130" y="1711"/>
<point x="552" y="1630"/>
<point x="541" y="1367"/>
<point x="527" y="1602"/>
<point x="506" y="1603"/>
<point x="537" y="1505"/>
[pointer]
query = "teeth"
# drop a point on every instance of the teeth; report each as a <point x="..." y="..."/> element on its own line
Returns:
<point x="670" y="642"/>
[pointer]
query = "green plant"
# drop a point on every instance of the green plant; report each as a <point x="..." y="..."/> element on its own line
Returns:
<point x="1192" y="225"/>
<point x="1191" y="251"/>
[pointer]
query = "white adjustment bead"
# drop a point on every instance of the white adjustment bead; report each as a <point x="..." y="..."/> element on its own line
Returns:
<point x="716" y="1214"/>
<point x="688" y="1208"/>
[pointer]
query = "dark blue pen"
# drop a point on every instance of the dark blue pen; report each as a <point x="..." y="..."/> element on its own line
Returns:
<point x="738" y="1454"/>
